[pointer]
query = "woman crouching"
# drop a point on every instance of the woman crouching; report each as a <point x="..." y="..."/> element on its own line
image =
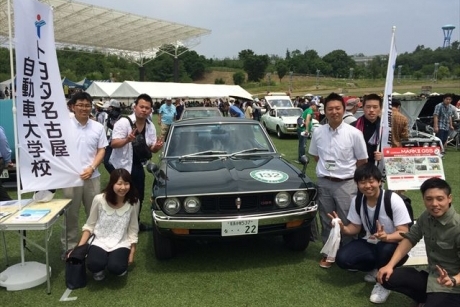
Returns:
<point x="113" y="220"/>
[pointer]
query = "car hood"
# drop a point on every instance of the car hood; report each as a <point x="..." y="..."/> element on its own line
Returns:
<point x="230" y="175"/>
<point x="289" y="119"/>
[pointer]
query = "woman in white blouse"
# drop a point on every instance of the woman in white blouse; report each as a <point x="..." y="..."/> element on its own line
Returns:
<point x="113" y="221"/>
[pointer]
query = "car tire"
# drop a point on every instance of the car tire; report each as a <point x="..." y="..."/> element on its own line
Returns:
<point x="279" y="133"/>
<point x="163" y="246"/>
<point x="298" y="240"/>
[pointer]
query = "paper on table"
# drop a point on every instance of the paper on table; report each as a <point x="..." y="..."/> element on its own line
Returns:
<point x="7" y="203"/>
<point x="31" y="215"/>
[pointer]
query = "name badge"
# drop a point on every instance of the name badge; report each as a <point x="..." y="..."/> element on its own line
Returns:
<point x="331" y="165"/>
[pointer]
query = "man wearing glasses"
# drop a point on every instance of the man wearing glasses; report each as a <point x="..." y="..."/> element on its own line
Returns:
<point x="91" y="141"/>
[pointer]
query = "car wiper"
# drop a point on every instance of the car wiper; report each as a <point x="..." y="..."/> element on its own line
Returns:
<point x="250" y="150"/>
<point x="204" y="153"/>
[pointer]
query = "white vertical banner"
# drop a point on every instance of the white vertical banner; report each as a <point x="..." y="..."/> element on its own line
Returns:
<point x="385" y="122"/>
<point x="47" y="155"/>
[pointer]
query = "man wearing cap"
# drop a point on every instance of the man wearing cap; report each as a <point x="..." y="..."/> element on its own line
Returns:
<point x="101" y="115"/>
<point x="351" y="108"/>
<point x="114" y="115"/>
<point x="235" y="110"/>
<point x="166" y="116"/>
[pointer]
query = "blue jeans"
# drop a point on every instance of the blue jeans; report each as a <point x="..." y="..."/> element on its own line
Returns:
<point x="302" y="144"/>
<point x="442" y="135"/>
<point x="363" y="256"/>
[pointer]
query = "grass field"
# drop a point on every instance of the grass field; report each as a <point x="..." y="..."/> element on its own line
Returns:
<point x="248" y="272"/>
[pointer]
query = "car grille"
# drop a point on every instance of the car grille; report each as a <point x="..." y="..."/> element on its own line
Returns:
<point x="227" y="203"/>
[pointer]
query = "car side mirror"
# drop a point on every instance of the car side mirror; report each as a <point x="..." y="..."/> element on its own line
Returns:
<point x="304" y="160"/>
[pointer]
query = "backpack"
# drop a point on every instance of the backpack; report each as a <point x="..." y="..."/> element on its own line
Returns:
<point x="387" y="204"/>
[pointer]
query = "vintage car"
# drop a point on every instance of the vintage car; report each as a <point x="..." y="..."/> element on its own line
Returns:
<point x="196" y="112"/>
<point x="281" y="120"/>
<point x="223" y="178"/>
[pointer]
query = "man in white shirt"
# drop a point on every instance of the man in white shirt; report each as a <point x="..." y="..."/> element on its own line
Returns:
<point x="126" y="131"/>
<point x="338" y="149"/>
<point x="91" y="141"/>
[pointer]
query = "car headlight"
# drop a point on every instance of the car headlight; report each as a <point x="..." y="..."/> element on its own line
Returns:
<point x="192" y="205"/>
<point x="171" y="205"/>
<point x="283" y="199"/>
<point x="300" y="198"/>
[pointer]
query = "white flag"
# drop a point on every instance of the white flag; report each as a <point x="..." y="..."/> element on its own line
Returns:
<point x="47" y="155"/>
<point x="385" y="122"/>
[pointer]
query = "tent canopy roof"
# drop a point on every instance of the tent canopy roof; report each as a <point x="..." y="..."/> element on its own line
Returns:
<point x="102" y="89"/>
<point x="90" y="27"/>
<point x="132" y="89"/>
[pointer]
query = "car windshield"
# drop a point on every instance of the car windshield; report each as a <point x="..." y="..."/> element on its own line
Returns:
<point x="217" y="139"/>
<point x="280" y="103"/>
<point x="290" y="112"/>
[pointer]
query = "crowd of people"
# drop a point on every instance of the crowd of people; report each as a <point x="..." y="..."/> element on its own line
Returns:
<point x="349" y="182"/>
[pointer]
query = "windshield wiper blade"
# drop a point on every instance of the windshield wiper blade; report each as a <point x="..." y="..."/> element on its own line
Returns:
<point x="250" y="150"/>
<point x="204" y="153"/>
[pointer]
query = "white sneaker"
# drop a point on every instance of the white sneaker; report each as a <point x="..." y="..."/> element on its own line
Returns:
<point x="370" y="276"/>
<point x="379" y="294"/>
<point x="99" y="276"/>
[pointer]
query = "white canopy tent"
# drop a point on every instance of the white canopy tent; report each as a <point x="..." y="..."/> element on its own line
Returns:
<point x="132" y="89"/>
<point x="409" y="94"/>
<point x="102" y="89"/>
<point x="395" y="94"/>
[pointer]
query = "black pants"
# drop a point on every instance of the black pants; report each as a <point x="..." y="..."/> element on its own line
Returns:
<point x="108" y="166"/>
<point x="3" y="193"/>
<point x="115" y="261"/>
<point x="138" y="177"/>
<point x="411" y="282"/>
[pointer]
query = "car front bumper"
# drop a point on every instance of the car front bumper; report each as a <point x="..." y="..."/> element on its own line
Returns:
<point x="275" y="222"/>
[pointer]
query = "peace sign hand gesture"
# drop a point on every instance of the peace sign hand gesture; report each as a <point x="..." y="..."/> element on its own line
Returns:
<point x="444" y="278"/>
<point x="380" y="234"/>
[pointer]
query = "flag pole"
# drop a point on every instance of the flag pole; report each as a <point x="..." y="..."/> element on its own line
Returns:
<point x="385" y="118"/>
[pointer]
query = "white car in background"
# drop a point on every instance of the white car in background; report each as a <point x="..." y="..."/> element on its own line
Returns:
<point x="283" y="121"/>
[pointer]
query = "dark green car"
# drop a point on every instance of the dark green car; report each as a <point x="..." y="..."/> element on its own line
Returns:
<point x="222" y="177"/>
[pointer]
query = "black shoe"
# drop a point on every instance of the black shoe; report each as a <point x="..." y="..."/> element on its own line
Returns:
<point x="144" y="227"/>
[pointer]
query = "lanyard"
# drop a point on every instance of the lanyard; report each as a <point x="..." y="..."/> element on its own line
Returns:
<point x="372" y="227"/>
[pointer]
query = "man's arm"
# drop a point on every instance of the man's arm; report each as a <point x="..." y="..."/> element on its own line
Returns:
<point x="361" y="162"/>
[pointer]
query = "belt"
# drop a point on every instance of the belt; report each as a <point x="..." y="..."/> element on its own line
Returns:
<point x="333" y="179"/>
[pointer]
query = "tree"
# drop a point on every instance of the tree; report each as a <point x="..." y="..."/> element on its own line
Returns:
<point x="443" y="72"/>
<point x="340" y="62"/>
<point x="255" y="67"/>
<point x="238" y="78"/>
<point x="281" y="69"/>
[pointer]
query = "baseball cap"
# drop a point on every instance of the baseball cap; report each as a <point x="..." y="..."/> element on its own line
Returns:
<point x="351" y="103"/>
<point x="114" y="103"/>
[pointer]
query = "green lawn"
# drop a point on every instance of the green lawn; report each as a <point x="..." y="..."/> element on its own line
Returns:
<point x="249" y="272"/>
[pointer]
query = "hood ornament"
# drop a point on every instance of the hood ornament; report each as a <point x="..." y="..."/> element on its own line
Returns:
<point x="238" y="203"/>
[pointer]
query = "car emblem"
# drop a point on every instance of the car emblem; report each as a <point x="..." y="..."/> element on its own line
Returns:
<point x="238" y="203"/>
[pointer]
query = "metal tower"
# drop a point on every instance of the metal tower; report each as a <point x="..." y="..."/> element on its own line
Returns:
<point x="447" y="29"/>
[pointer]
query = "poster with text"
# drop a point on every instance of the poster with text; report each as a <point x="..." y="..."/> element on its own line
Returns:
<point x="407" y="168"/>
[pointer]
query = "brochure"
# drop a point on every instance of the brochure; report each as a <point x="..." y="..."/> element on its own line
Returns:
<point x="31" y="215"/>
<point x="24" y="202"/>
<point x="4" y="214"/>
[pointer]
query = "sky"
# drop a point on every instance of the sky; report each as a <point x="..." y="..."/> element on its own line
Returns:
<point x="274" y="26"/>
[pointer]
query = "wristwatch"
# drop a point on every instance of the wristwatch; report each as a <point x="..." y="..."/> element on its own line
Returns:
<point x="454" y="281"/>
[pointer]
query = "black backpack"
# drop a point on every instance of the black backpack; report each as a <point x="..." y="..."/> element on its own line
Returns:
<point x="387" y="203"/>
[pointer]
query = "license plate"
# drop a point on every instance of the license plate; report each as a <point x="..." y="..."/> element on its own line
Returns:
<point x="5" y="174"/>
<point x="240" y="228"/>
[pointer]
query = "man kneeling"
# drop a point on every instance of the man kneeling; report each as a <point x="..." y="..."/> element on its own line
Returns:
<point x="375" y="248"/>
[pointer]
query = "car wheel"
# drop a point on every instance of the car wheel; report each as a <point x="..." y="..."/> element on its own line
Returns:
<point x="298" y="240"/>
<point x="279" y="133"/>
<point x="164" y="246"/>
